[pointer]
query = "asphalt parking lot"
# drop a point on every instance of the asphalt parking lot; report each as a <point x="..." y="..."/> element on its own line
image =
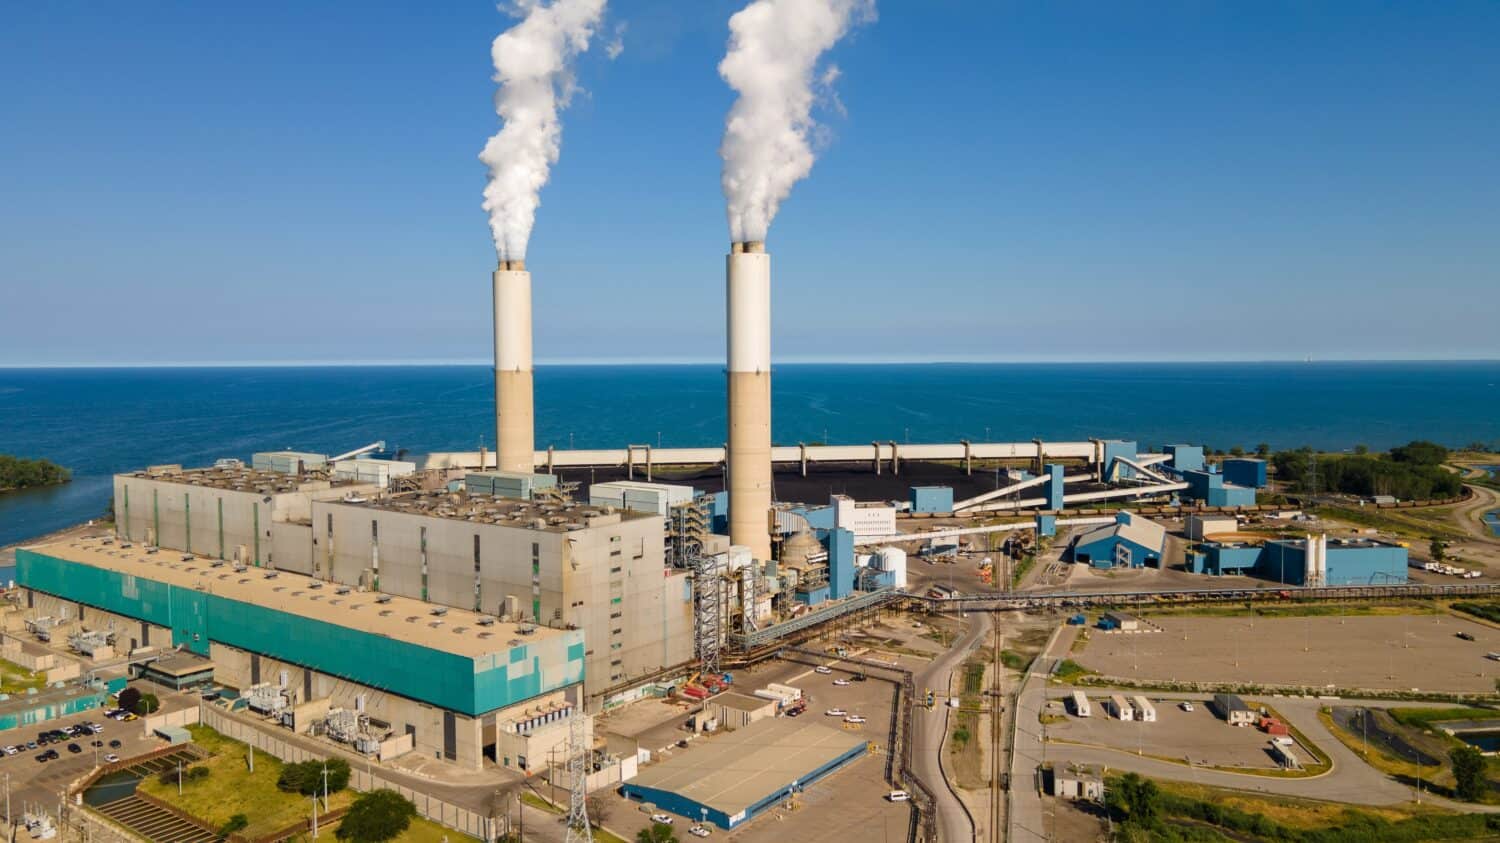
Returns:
<point x="1361" y="651"/>
<point x="33" y="782"/>
<point x="1180" y="735"/>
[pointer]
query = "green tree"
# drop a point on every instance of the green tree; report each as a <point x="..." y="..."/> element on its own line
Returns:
<point x="1438" y="549"/>
<point x="1263" y="450"/>
<point x="376" y="816"/>
<point x="129" y="698"/>
<point x="1361" y="450"/>
<point x="306" y="777"/>
<point x="235" y="823"/>
<point x="1420" y="453"/>
<point x="147" y="704"/>
<point x="657" y="833"/>
<point x="1468" y="773"/>
<point x="1236" y="451"/>
<point x="1138" y="796"/>
<point x="16" y="473"/>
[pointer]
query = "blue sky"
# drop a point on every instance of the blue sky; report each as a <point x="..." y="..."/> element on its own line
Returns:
<point x="282" y="181"/>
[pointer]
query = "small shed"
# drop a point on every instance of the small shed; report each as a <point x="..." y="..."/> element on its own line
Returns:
<point x="174" y="735"/>
<point x="1233" y="709"/>
<point x="1078" y="781"/>
<point x="736" y="711"/>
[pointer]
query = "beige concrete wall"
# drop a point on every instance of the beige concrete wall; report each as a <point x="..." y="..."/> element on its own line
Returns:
<point x="232" y="667"/>
<point x="190" y="516"/>
<point x="608" y="580"/>
<point x="128" y="631"/>
<point x="292" y="547"/>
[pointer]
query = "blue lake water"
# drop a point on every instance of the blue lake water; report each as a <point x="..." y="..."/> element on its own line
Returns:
<point x="100" y="421"/>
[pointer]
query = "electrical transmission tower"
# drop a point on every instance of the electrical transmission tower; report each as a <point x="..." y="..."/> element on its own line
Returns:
<point x="578" y="779"/>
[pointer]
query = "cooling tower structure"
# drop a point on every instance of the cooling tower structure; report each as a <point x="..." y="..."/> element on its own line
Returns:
<point x="515" y="438"/>
<point x="748" y="299"/>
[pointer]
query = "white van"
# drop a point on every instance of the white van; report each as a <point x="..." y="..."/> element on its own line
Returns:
<point x="898" y="796"/>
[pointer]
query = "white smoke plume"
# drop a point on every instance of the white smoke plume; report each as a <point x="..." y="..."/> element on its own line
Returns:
<point x="533" y="67"/>
<point x="774" y="46"/>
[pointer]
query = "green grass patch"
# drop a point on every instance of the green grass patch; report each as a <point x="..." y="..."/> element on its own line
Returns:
<point x="230" y="788"/>
<point x="1070" y="671"/>
<point x="538" y="802"/>
<point x="1015" y="661"/>
<point x="1486" y="611"/>
<point x="1397" y="521"/>
<point x="1423" y="718"/>
<point x="1183" y="816"/>
<point x="973" y="677"/>
<point x="1294" y="608"/>
<point x="15" y="679"/>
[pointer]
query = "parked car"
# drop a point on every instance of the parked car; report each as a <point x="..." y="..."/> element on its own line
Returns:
<point x="74" y="748"/>
<point x="841" y="682"/>
<point x="835" y="712"/>
<point x="661" y="818"/>
<point x="114" y="744"/>
<point x="898" y="796"/>
<point x="10" y="750"/>
<point x="698" y="831"/>
<point x="31" y="744"/>
<point x="854" y="718"/>
<point x="1467" y="636"/>
<point x="859" y="677"/>
<point x="1186" y="706"/>
<point x="111" y="758"/>
<point x="824" y="669"/>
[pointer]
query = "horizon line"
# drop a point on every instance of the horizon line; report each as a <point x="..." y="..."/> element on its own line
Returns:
<point x="794" y="361"/>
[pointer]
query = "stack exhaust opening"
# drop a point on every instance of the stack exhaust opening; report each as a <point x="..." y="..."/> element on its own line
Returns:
<point x="515" y="436"/>
<point x="748" y="306"/>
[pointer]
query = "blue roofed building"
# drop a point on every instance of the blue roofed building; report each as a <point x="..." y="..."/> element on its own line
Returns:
<point x="1130" y="542"/>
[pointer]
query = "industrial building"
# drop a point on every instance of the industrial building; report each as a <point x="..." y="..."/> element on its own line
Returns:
<point x="1212" y="489"/>
<point x="508" y="546"/>
<point x="553" y="562"/>
<point x="1313" y="561"/>
<point x="1131" y="542"/>
<point x="743" y="773"/>
<point x="257" y="516"/>
<point x="1201" y="527"/>
<point x="1245" y="471"/>
<point x="445" y="682"/>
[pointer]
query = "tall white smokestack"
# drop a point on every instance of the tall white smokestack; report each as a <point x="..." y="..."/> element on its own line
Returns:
<point x="515" y="436"/>
<point x="533" y="68"/>
<point x="774" y="47"/>
<point x="748" y="297"/>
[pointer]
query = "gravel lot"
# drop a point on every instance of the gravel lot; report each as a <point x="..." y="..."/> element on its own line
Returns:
<point x="1176" y="734"/>
<point x="1382" y="652"/>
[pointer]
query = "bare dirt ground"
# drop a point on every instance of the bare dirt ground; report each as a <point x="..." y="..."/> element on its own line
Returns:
<point x="1377" y="652"/>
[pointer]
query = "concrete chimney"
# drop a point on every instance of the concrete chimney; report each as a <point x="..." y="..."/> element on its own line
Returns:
<point x="748" y="298"/>
<point x="515" y="437"/>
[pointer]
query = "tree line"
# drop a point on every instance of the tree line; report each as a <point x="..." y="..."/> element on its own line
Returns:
<point x="1409" y="472"/>
<point x="18" y="473"/>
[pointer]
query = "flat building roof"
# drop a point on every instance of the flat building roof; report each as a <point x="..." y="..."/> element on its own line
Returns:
<point x="243" y="479"/>
<point x="451" y="630"/>
<point x="736" y="770"/>
<point x="740" y="702"/>
<point x="557" y="516"/>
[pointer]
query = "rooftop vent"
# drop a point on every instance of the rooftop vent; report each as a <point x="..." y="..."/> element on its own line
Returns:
<point x="384" y="598"/>
<point x="314" y="584"/>
<point x="435" y="624"/>
<point x="486" y="621"/>
<point x="344" y="590"/>
<point x="412" y="619"/>
<point x="385" y="613"/>
<point x="271" y="575"/>
<point x="439" y="611"/>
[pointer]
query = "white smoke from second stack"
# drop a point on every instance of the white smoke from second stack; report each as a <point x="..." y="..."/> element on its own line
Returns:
<point x="774" y="47"/>
<point x="532" y="65"/>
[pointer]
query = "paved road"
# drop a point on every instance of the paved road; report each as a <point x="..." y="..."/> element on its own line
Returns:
<point x="930" y="727"/>
<point x="1026" y="821"/>
<point x="1470" y="515"/>
<point x="1349" y="780"/>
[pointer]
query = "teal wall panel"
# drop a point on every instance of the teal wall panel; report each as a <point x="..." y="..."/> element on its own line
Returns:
<point x="447" y="680"/>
